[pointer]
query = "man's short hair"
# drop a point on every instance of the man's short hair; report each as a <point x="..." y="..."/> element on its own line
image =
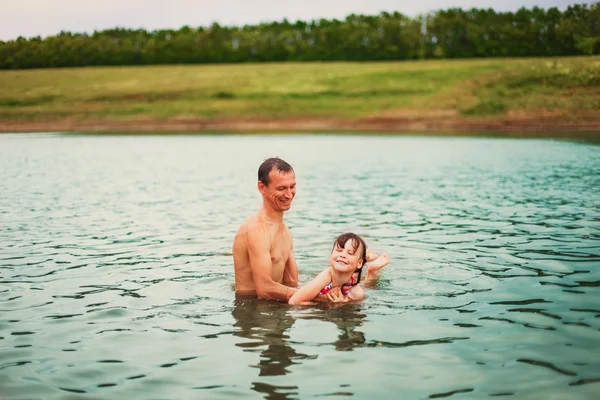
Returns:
<point x="267" y="166"/>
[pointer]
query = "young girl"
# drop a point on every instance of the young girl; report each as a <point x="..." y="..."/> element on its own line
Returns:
<point x="346" y="262"/>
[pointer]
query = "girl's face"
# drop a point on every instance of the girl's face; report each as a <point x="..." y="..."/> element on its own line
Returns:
<point x="346" y="259"/>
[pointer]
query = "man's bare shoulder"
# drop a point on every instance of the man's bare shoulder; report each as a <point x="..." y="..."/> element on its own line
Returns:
<point x="249" y="223"/>
<point x="253" y="227"/>
<point x="255" y="224"/>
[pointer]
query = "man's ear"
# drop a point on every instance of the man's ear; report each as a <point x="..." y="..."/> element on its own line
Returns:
<point x="261" y="187"/>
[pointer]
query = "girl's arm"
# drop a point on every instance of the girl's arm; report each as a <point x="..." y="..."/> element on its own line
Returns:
<point x="355" y="293"/>
<point x="311" y="289"/>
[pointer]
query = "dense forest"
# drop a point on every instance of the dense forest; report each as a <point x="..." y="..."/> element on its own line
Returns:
<point x="452" y="33"/>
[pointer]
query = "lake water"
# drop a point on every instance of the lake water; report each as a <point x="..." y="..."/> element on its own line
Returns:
<point x="116" y="270"/>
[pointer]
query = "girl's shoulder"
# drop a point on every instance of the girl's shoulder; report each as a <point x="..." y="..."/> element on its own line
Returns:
<point x="356" y="293"/>
<point x="326" y="272"/>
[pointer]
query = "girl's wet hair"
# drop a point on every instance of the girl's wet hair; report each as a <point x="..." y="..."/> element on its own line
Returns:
<point x="357" y="241"/>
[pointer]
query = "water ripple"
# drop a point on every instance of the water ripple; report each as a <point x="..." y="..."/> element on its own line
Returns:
<point x="116" y="275"/>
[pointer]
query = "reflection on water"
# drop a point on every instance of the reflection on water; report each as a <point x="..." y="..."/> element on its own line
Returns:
<point x="265" y="326"/>
<point x="116" y="272"/>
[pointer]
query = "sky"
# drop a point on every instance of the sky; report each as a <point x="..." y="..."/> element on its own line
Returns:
<point x="30" y="18"/>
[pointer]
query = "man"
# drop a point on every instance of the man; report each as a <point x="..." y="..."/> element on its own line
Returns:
<point x="263" y="256"/>
<point x="262" y="249"/>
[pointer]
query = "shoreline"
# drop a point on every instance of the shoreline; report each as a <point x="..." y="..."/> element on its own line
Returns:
<point x="529" y="97"/>
<point x="508" y="127"/>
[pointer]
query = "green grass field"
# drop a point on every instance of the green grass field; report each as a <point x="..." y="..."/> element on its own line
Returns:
<point x="485" y="88"/>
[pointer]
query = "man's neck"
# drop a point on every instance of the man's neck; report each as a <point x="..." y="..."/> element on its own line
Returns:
<point x="271" y="215"/>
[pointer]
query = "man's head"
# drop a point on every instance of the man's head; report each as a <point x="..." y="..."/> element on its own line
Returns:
<point x="277" y="183"/>
<point x="274" y="163"/>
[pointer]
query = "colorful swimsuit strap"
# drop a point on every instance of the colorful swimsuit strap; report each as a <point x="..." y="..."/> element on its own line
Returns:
<point x="327" y="288"/>
<point x="351" y="283"/>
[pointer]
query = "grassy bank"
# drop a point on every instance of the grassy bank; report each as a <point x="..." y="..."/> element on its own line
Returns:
<point x="504" y="94"/>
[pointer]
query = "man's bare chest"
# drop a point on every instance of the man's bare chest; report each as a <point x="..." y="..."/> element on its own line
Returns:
<point x="281" y="247"/>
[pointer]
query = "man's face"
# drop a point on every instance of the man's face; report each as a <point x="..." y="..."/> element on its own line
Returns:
<point x="281" y="189"/>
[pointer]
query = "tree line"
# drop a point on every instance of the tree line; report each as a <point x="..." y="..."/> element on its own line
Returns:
<point x="451" y="33"/>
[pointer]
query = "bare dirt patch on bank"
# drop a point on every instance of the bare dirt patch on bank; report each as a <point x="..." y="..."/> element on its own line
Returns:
<point x="543" y="124"/>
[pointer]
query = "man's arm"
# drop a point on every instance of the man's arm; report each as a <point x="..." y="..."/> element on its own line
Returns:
<point x="262" y="268"/>
<point x="290" y="273"/>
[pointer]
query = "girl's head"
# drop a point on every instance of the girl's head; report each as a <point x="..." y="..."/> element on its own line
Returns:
<point x="349" y="253"/>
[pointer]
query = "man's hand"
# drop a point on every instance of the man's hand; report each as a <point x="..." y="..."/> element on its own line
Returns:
<point x="335" y="295"/>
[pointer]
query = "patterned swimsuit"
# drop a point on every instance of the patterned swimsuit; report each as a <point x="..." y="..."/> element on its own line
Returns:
<point x="327" y="288"/>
